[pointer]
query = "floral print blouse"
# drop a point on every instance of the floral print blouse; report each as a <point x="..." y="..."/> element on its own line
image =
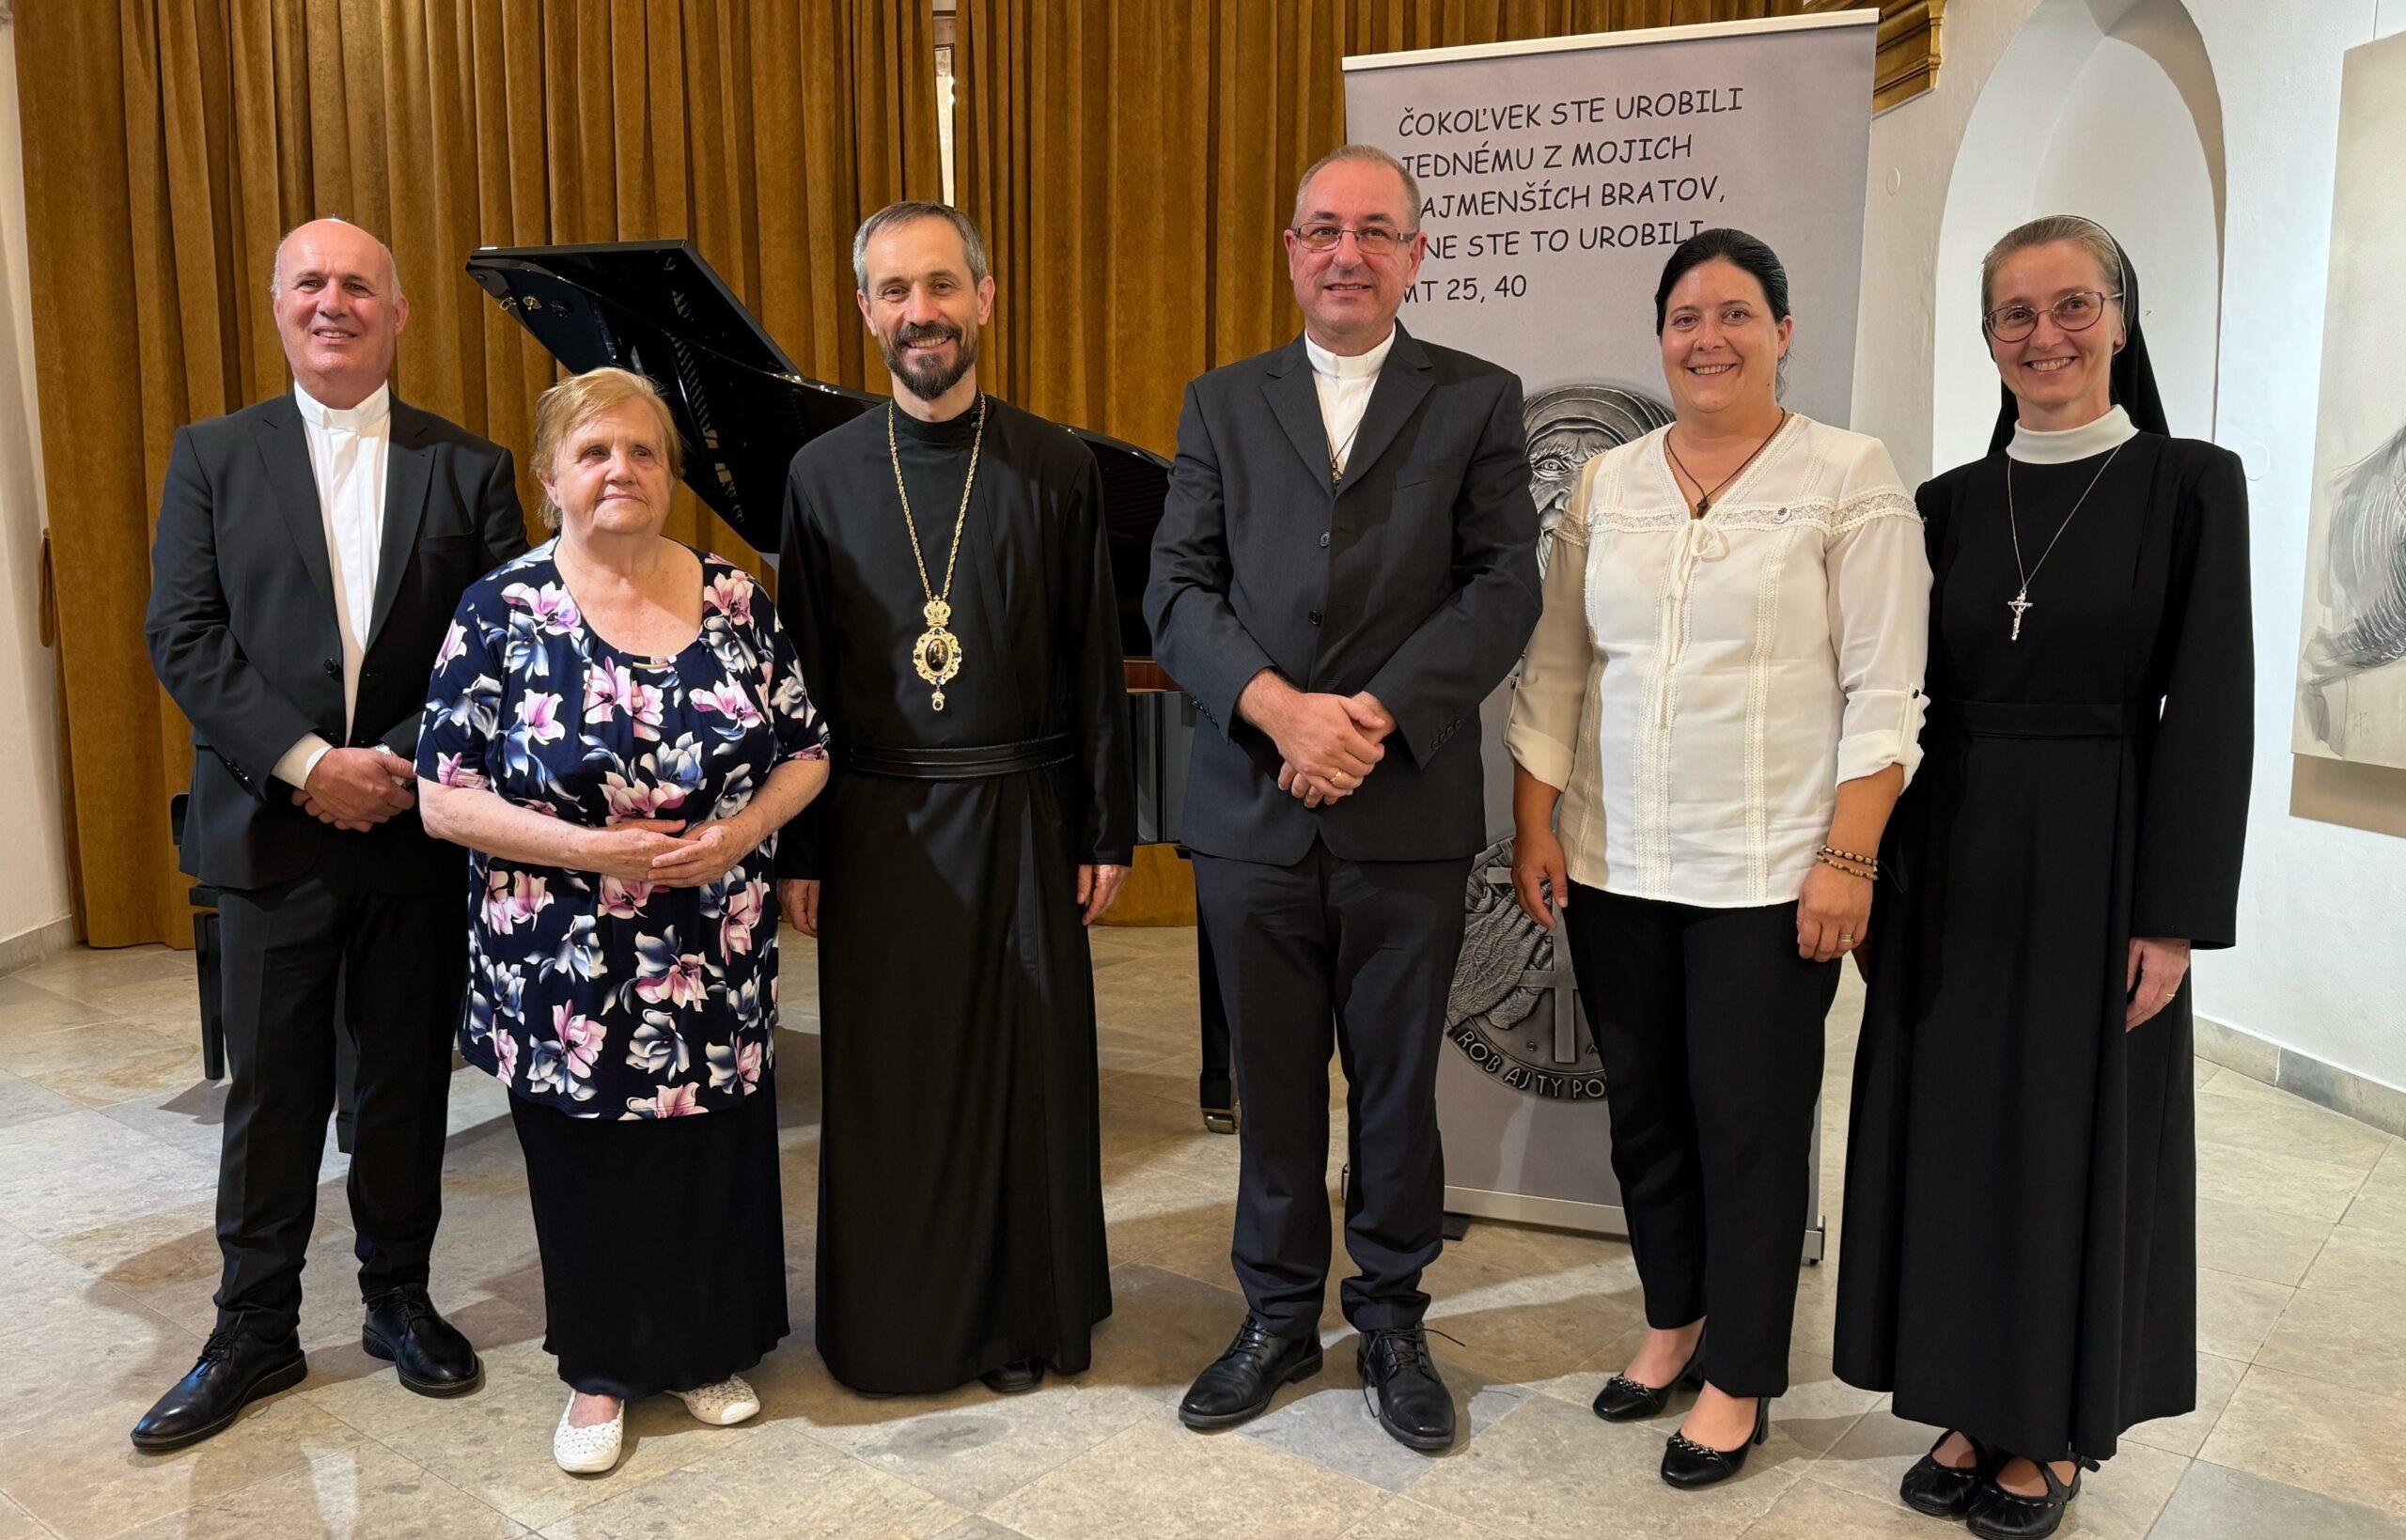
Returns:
<point x="600" y="997"/>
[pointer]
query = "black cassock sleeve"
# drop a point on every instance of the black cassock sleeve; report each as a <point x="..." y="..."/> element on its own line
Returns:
<point x="803" y="610"/>
<point x="1089" y="644"/>
<point x="2193" y="825"/>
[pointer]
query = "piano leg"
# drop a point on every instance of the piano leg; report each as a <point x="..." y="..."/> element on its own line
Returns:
<point x="1217" y="1087"/>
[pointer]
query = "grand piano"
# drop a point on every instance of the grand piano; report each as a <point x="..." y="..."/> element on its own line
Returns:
<point x="743" y="409"/>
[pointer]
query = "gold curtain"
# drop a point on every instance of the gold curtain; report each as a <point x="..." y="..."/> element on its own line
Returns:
<point x="169" y="143"/>
<point x="1132" y="162"/>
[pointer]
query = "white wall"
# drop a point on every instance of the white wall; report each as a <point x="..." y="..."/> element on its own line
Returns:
<point x="2321" y="964"/>
<point x="33" y="856"/>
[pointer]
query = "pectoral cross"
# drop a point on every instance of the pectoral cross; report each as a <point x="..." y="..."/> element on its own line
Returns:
<point x="2018" y="604"/>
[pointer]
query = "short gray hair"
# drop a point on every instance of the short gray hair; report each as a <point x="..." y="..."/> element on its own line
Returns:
<point x="2086" y="234"/>
<point x="907" y="211"/>
<point x="275" y="263"/>
<point x="1365" y="155"/>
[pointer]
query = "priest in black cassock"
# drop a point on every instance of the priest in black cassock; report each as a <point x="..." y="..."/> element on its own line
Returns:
<point x="945" y="582"/>
<point x="2020" y="1262"/>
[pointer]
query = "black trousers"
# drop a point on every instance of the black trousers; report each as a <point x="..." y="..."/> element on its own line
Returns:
<point x="1363" y="952"/>
<point x="1708" y="1026"/>
<point x="399" y="961"/>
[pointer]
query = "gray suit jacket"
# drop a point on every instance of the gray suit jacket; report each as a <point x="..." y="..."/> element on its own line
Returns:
<point x="1415" y="580"/>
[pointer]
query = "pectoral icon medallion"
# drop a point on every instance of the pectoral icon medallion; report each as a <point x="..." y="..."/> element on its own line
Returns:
<point x="936" y="655"/>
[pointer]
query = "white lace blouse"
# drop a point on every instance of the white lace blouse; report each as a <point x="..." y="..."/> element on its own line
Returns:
<point x="1698" y="688"/>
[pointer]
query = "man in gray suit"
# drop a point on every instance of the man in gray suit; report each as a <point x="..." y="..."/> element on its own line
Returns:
<point x="1345" y="570"/>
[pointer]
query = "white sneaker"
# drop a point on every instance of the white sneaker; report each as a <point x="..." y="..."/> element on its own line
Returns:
<point x="587" y="1451"/>
<point x="723" y="1405"/>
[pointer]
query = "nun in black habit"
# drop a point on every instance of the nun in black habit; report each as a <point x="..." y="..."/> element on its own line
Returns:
<point x="2020" y="1240"/>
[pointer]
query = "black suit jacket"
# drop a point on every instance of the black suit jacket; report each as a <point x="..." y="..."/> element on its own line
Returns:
<point x="1416" y="580"/>
<point x="243" y="626"/>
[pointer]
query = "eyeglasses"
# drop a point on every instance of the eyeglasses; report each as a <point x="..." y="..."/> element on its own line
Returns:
<point x="1371" y="240"/>
<point x="2075" y="312"/>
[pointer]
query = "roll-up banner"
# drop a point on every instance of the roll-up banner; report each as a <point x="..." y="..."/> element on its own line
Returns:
<point x="1556" y="177"/>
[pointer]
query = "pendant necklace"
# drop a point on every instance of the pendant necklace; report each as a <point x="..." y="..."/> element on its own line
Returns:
<point x="1704" y="499"/>
<point x="2020" y="602"/>
<point x="1337" y="451"/>
<point x="936" y="654"/>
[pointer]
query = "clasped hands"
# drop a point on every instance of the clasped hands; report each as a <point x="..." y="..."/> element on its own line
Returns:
<point x="1327" y="744"/>
<point x="356" y="789"/>
<point x="671" y="853"/>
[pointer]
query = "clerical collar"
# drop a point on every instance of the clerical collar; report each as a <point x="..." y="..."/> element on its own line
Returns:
<point x="958" y="428"/>
<point x="2064" y="446"/>
<point x="1340" y="366"/>
<point x="366" y="414"/>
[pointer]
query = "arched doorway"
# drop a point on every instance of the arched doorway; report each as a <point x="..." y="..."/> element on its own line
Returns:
<point x="2106" y="108"/>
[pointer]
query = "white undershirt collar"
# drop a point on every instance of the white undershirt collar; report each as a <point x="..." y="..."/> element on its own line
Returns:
<point x="2062" y="446"/>
<point x="1359" y="365"/>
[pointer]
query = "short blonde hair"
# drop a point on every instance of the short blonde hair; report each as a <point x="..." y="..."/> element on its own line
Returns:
<point x="2086" y="234"/>
<point x="580" y="397"/>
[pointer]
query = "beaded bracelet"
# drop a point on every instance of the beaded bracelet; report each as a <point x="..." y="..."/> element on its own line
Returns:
<point x="1850" y="855"/>
<point x="1853" y="865"/>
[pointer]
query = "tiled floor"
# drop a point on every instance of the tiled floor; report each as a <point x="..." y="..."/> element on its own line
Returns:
<point x="107" y="1151"/>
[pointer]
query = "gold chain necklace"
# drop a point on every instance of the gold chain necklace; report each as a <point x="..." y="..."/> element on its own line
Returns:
<point x="936" y="655"/>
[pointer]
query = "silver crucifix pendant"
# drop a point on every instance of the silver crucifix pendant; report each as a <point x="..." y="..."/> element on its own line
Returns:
<point x="2018" y="604"/>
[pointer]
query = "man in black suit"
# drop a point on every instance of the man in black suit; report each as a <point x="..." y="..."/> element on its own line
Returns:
<point x="311" y="550"/>
<point x="1345" y="570"/>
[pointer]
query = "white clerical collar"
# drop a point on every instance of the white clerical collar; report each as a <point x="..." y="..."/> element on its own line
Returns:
<point x="2064" y="446"/>
<point x="1360" y="365"/>
<point x="358" y="419"/>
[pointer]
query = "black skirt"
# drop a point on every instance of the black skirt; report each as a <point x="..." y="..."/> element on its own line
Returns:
<point x="663" y="1243"/>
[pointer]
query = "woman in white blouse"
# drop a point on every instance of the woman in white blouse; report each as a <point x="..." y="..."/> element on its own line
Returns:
<point x="1720" y="706"/>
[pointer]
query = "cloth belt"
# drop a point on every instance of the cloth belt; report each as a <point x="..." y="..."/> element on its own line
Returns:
<point x="2043" y="719"/>
<point x="972" y="763"/>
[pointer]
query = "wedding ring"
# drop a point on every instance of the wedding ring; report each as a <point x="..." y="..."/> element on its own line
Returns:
<point x="1846" y="939"/>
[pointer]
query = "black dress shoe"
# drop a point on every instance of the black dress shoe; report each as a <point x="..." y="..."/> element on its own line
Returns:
<point x="1688" y="1464"/>
<point x="1017" y="1377"/>
<point x="1414" y="1405"/>
<point x="428" y="1351"/>
<point x="1626" y="1400"/>
<point x="1239" y="1384"/>
<point x="233" y="1372"/>
<point x="1995" y="1514"/>
<point x="1943" y="1491"/>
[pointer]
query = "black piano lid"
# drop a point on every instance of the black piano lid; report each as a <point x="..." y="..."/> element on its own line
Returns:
<point x="741" y="406"/>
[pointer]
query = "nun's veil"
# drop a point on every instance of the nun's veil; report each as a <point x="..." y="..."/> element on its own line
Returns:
<point x="2133" y="376"/>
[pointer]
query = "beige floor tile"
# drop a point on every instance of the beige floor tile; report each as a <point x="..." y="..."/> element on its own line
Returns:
<point x="2121" y="1502"/>
<point x="779" y="1482"/>
<point x="2287" y="1184"/>
<point x="28" y="1010"/>
<point x="67" y="1174"/>
<point x="2257" y="1242"/>
<point x="2289" y="1125"/>
<point x="1159" y="1481"/>
<point x="1811" y="1510"/>
<point x="2217" y="1378"/>
<point x="2348" y="1338"/>
<point x="1872" y="1456"/>
<point x="2301" y="1432"/>
<point x="1328" y="1421"/>
<point x="972" y="1447"/>
<point x="101" y="1063"/>
<point x="2207" y="1071"/>
<point x="82" y="970"/>
<point x="1551" y="1469"/>
<point x="2363" y="1260"/>
<point x="22" y="1101"/>
<point x="76" y="1473"/>
<point x="2235" y="1314"/>
<point x="1173" y="1222"/>
<point x="975" y="1528"/>
<point x="2118" y="1504"/>
<point x="17" y="1524"/>
<point x="1164" y="1327"/>
<point x="363" y="1490"/>
<point x="2381" y="1201"/>
<point x="1400" y="1518"/>
<point x="2212" y="1504"/>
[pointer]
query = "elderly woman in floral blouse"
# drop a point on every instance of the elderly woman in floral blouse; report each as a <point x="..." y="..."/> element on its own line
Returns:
<point x="616" y="728"/>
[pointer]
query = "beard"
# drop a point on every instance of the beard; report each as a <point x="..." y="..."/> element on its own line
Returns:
<point x="926" y="378"/>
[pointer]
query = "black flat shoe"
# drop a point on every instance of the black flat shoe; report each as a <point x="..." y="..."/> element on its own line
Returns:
<point x="1995" y="1514"/>
<point x="1239" y="1384"/>
<point x="1627" y="1400"/>
<point x="1688" y="1464"/>
<point x="1017" y="1377"/>
<point x="1413" y="1403"/>
<point x="1944" y="1491"/>
<point x="233" y="1370"/>
<point x="426" y="1351"/>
